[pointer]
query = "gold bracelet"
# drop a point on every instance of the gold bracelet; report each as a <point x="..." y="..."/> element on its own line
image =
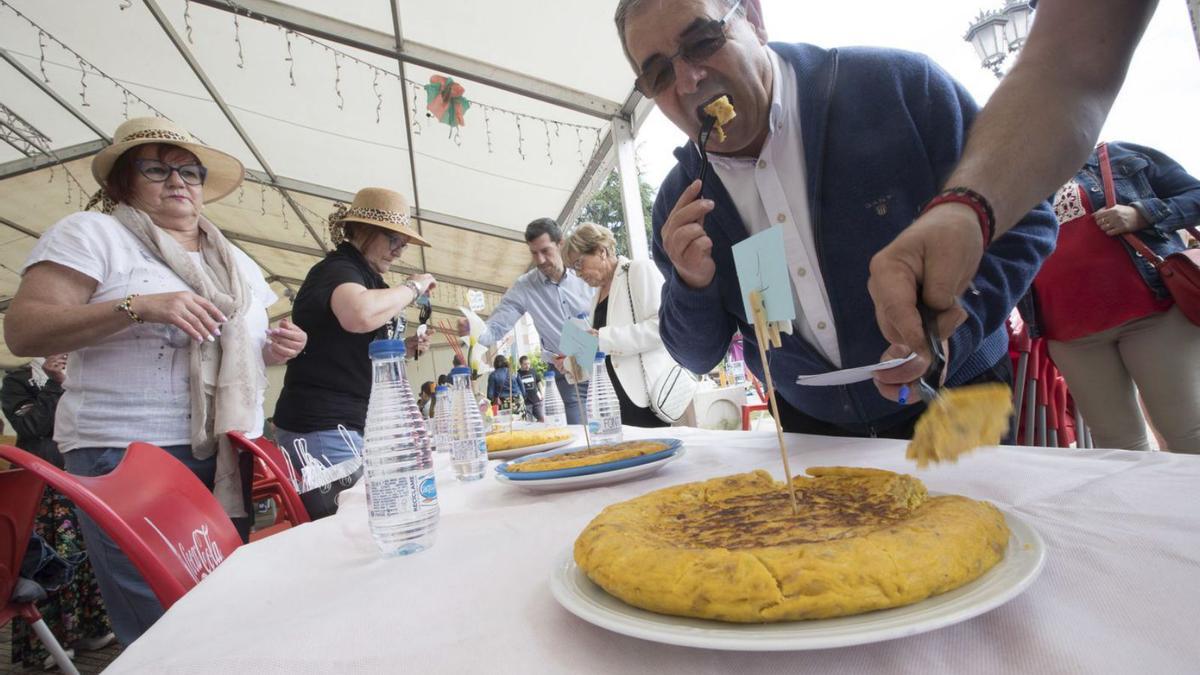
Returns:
<point x="126" y="306"/>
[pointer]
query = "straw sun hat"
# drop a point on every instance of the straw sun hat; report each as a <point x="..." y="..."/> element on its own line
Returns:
<point x="375" y="206"/>
<point x="225" y="172"/>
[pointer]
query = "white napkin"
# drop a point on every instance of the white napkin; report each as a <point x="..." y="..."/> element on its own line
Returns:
<point x="850" y="375"/>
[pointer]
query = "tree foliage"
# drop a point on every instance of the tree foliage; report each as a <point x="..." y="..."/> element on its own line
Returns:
<point x="605" y="210"/>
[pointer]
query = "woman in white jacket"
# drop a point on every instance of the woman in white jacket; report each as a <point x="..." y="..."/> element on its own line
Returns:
<point x="625" y="316"/>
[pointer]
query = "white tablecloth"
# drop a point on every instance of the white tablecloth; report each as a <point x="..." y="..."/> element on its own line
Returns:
<point x="1120" y="592"/>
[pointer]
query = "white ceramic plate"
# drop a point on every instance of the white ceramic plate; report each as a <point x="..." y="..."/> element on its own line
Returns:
<point x="592" y="479"/>
<point x="529" y="450"/>
<point x="1020" y="567"/>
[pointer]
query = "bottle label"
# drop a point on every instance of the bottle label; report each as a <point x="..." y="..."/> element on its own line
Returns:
<point x="604" y="425"/>
<point x="401" y="495"/>
<point x="428" y="490"/>
<point x="468" y="450"/>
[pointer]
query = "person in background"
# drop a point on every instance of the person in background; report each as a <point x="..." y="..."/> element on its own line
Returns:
<point x="425" y="399"/>
<point x="504" y="388"/>
<point x="344" y="304"/>
<point x="269" y="429"/>
<point x="1111" y="325"/>
<point x="1017" y="152"/>
<point x="74" y="612"/>
<point x="167" y="329"/>
<point x="625" y="317"/>
<point x="839" y="178"/>
<point x="551" y="294"/>
<point x="531" y="380"/>
<point x="29" y="399"/>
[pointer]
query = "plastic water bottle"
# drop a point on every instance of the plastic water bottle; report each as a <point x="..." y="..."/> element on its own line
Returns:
<point x="555" y="411"/>
<point x="604" y="410"/>
<point x="402" y="503"/>
<point x="468" y="445"/>
<point x="441" y="419"/>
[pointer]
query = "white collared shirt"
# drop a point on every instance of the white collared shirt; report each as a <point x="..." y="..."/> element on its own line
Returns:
<point x="773" y="189"/>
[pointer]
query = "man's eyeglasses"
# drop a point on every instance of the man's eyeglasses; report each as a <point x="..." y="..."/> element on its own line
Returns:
<point x="698" y="42"/>
<point x="158" y="172"/>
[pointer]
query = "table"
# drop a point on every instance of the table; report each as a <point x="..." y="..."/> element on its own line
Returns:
<point x="1120" y="591"/>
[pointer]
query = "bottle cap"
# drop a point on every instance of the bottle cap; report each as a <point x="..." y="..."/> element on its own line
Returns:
<point x="599" y="357"/>
<point x="441" y="388"/>
<point x="548" y="376"/>
<point x="460" y="370"/>
<point x="386" y="349"/>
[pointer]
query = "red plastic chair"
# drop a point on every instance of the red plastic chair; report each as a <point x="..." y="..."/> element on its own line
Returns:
<point x="748" y="409"/>
<point x="155" y="509"/>
<point x="20" y="492"/>
<point x="1066" y="423"/>
<point x="272" y="480"/>
<point x="1020" y="347"/>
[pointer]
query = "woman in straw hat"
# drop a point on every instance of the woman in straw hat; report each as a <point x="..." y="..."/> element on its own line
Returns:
<point x="166" y="326"/>
<point x="344" y="304"/>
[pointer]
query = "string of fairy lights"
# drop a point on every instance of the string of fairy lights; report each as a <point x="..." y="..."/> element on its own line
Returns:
<point x="339" y="56"/>
<point x="552" y="129"/>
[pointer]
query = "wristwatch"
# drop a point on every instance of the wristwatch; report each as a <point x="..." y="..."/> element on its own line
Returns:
<point x="415" y="288"/>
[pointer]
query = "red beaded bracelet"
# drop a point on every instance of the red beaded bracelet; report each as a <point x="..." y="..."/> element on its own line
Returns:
<point x="971" y="198"/>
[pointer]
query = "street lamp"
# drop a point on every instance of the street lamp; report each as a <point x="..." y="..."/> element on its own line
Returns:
<point x="997" y="33"/>
<point x="1020" y="17"/>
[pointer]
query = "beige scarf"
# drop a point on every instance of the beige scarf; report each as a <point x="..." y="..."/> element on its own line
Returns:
<point x="226" y="375"/>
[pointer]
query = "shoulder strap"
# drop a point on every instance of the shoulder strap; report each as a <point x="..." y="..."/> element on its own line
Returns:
<point x="1110" y="200"/>
<point x="633" y="313"/>
<point x="629" y="288"/>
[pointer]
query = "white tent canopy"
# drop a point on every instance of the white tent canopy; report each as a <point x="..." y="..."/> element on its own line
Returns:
<point x="317" y="100"/>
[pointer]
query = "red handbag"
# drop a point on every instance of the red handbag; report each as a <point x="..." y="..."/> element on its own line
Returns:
<point x="1180" y="271"/>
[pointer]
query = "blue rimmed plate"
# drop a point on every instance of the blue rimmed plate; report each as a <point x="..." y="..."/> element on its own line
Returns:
<point x="593" y="479"/>
<point x="673" y="445"/>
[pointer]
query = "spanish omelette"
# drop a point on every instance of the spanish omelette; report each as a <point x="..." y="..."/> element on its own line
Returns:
<point x="597" y="454"/>
<point x="722" y="109"/>
<point x="523" y="438"/>
<point x="960" y="420"/>
<point x="730" y="549"/>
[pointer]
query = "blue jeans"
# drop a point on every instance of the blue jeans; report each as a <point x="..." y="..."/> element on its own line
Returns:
<point x="132" y="606"/>
<point x="328" y="446"/>
<point x="570" y="401"/>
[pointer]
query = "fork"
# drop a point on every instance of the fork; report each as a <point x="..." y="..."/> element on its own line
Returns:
<point x="706" y="129"/>
<point x="937" y="362"/>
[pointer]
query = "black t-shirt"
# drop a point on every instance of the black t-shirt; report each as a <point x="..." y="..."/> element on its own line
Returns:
<point x="329" y="382"/>
<point x="529" y="379"/>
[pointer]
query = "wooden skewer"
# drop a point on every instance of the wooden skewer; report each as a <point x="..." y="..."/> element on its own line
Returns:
<point x="587" y="436"/>
<point x="762" y="333"/>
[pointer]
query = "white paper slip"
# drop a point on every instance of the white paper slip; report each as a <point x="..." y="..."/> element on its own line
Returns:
<point x="850" y="375"/>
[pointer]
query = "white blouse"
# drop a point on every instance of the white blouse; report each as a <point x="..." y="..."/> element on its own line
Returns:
<point x="132" y="385"/>
<point x="632" y="340"/>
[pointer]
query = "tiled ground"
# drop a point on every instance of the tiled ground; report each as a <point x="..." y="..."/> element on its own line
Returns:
<point x="88" y="662"/>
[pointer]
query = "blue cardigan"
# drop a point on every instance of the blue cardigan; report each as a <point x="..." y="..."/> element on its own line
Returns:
<point x="882" y="130"/>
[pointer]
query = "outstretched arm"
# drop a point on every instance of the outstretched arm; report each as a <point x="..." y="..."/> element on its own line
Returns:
<point x="1020" y="150"/>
